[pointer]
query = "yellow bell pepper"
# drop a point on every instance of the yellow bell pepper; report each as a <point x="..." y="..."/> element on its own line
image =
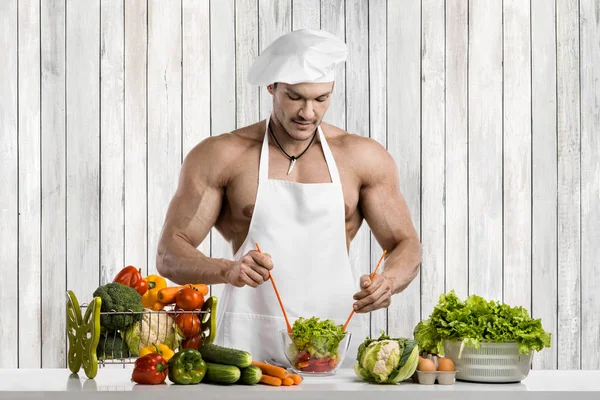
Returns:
<point x="155" y="283"/>
<point x="162" y="349"/>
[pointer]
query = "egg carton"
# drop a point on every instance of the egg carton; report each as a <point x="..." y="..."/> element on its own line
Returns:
<point x="431" y="377"/>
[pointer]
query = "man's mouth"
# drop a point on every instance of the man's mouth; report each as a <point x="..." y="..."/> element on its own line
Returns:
<point x="303" y="124"/>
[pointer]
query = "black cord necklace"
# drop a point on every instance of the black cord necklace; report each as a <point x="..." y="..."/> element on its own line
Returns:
<point x="292" y="158"/>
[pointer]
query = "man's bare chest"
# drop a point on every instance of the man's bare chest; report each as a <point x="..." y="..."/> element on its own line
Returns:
<point x="241" y="190"/>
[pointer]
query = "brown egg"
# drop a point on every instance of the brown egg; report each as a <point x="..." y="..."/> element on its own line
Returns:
<point x="445" y="364"/>
<point x="426" y="365"/>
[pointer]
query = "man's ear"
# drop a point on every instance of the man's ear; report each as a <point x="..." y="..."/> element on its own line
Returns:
<point x="271" y="88"/>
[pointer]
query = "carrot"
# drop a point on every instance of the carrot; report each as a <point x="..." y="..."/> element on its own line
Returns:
<point x="199" y="287"/>
<point x="271" y="370"/>
<point x="270" y="380"/>
<point x="296" y="378"/>
<point x="287" y="382"/>
<point x="168" y="295"/>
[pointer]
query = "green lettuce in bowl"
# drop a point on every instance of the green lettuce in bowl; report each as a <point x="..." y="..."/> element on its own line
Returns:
<point x="315" y="346"/>
<point x="477" y="320"/>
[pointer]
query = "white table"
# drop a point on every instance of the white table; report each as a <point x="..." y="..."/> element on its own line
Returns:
<point x="115" y="383"/>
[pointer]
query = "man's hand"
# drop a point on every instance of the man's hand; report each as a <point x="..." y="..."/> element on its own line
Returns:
<point x="252" y="270"/>
<point x="374" y="294"/>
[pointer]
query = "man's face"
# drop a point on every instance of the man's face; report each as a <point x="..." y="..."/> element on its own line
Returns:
<point x="300" y="108"/>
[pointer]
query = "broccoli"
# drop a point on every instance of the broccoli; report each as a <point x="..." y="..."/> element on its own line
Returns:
<point x="118" y="297"/>
<point x="112" y="346"/>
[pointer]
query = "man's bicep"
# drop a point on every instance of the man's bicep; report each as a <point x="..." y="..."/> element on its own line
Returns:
<point x="384" y="206"/>
<point x="195" y="207"/>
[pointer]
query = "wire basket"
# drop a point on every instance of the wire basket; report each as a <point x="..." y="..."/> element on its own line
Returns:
<point x="90" y="345"/>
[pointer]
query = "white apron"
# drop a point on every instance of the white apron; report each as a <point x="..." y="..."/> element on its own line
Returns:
<point x="302" y="227"/>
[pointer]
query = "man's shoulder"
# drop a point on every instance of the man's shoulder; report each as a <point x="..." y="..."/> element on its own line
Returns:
<point x="354" y="145"/>
<point x="221" y="147"/>
<point x="365" y="156"/>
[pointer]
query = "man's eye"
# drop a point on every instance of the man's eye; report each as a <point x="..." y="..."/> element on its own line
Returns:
<point x="322" y="99"/>
<point x="293" y="98"/>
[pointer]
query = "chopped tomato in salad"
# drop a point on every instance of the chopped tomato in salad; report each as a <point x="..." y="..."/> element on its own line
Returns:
<point x="306" y="363"/>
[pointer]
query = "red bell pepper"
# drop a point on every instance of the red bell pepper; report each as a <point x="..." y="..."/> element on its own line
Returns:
<point x="150" y="370"/>
<point x="132" y="277"/>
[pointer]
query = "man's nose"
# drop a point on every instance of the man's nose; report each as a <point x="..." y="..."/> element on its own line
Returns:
<point x="307" y="112"/>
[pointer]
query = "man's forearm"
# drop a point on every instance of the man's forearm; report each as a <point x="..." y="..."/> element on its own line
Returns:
<point x="182" y="263"/>
<point x="402" y="264"/>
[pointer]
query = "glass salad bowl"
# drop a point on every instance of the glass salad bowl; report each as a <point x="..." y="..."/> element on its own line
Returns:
<point x="320" y="354"/>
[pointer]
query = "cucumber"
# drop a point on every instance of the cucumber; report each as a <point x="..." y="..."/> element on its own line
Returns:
<point x="250" y="375"/>
<point x="223" y="355"/>
<point x="223" y="374"/>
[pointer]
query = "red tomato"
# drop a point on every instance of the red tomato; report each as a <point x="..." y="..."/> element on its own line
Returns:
<point x="189" y="324"/>
<point x="189" y="299"/>
<point x="192" y="343"/>
<point x="303" y="356"/>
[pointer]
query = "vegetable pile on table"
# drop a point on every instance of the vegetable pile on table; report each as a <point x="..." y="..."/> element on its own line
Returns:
<point x="167" y="342"/>
<point x="477" y="320"/>
<point x="315" y="344"/>
<point x="133" y="315"/>
<point x="210" y="364"/>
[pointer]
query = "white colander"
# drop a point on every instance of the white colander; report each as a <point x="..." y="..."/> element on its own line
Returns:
<point x="493" y="362"/>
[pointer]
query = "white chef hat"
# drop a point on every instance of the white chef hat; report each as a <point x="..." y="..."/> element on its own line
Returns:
<point x="304" y="55"/>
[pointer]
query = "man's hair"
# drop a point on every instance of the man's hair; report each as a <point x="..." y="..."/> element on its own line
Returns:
<point x="275" y="85"/>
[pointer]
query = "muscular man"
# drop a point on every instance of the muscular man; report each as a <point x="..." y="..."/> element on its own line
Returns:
<point x="300" y="188"/>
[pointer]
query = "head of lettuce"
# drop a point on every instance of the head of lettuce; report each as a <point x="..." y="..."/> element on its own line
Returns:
<point x="387" y="360"/>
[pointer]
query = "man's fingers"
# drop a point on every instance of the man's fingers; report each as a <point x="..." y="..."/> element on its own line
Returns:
<point x="254" y="275"/>
<point x="263" y="259"/>
<point x="372" y="286"/>
<point x="260" y="270"/>
<point x="380" y="293"/>
<point x="383" y="302"/>
<point x="365" y="281"/>
<point x="249" y="281"/>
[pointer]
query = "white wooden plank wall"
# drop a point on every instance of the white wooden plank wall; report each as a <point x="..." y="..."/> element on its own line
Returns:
<point x="135" y="141"/>
<point x="490" y="110"/>
<point x="516" y="150"/>
<point x="53" y="183"/>
<point x="456" y="147"/>
<point x="544" y="263"/>
<point x="569" y="184"/>
<point x="484" y="164"/>
<point x="29" y="184"/>
<point x="377" y="115"/>
<point x="404" y="136"/>
<point x="589" y="81"/>
<point x="9" y="203"/>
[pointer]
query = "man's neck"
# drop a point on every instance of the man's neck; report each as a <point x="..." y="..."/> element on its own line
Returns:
<point x="291" y="146"/>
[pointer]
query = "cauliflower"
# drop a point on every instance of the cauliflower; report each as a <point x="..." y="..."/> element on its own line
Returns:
<point x="386" y="360"/>
<point x="388" y="354"/>
<point x="156" y="327"/>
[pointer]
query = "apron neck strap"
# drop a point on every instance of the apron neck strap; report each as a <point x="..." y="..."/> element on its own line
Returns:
<point x="263" y="168"/>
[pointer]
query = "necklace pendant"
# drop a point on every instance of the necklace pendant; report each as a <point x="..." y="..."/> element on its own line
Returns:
<point x="292" y="163"/>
